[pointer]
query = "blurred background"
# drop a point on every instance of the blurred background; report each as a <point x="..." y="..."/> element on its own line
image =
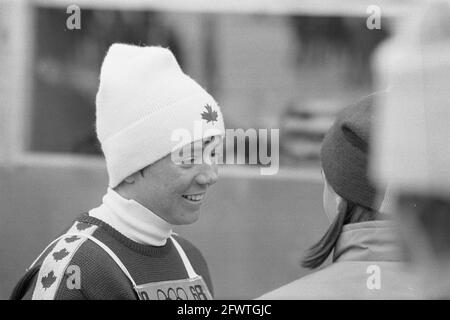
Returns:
<point x="288" y="65"/>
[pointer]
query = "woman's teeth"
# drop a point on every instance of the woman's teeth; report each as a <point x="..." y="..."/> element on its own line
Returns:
<point x="196" y="197"/>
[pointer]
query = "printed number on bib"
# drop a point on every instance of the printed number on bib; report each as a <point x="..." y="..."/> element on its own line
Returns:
<point x="186" y="289"/>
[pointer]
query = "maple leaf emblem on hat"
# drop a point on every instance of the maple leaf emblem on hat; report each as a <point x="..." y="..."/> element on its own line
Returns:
<point x="209" y="115"/>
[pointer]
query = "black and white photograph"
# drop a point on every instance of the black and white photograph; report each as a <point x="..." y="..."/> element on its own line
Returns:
<point x="252" y="150"/>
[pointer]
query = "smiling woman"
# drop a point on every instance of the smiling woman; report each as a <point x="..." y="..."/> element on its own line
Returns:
<point x="142" y="98"/>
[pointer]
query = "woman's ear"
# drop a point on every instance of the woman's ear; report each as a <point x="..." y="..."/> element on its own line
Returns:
<point x="341" y="204"/>
<point x="332" y="202"/>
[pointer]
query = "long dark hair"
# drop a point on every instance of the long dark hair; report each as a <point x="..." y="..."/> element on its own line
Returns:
<point x="319" y="252"/>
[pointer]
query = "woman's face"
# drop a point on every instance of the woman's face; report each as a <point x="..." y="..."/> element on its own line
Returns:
<point x="175" y="191"/>
<point x="330" y="200"/>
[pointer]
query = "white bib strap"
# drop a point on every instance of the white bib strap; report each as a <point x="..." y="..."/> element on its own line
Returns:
<point x="187" y="264"/>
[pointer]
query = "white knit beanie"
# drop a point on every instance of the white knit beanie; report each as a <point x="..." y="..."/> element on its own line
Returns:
<point x="143" y="97"/>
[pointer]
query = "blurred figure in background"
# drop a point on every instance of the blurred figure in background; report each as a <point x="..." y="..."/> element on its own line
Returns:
<point x="412" y="145"/>
<point x="125" y="248"/>
<point x="366" y="261"/>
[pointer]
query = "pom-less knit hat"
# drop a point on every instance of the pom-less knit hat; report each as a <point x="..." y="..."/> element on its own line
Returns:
<point x="344" y="154"/>
<point x="143" y="98"/>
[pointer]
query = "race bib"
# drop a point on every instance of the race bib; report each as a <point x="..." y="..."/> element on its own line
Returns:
<point x="185" y="289"/>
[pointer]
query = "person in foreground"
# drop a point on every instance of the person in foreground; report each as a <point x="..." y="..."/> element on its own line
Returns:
<point x="366" y="260"/>
<point x="125" y="248"/>
<point x="413" y="141"/>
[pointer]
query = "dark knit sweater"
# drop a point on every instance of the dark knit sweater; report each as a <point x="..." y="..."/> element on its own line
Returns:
<point x="101" y="278"/>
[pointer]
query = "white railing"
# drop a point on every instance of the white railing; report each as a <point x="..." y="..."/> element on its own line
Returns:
<point x="304" y="7"/>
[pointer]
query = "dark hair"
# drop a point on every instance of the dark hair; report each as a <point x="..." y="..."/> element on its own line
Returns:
<point x="319" y="252"/>
<point x="432" y="215"/>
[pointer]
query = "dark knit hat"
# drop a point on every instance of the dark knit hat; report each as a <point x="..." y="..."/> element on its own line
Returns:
<point x="344" y="154"/>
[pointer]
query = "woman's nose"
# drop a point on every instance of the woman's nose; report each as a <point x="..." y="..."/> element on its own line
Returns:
<point x="209" y="175"/>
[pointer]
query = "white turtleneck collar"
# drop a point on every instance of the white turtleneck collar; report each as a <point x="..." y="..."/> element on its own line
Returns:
<point x="132" y="219"/>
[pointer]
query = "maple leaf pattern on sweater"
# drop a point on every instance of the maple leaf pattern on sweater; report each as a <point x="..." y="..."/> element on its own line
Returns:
<point x="61" y="254"/>
<point x="72" y="239"/>
<point x="48" y="280"/>
<point x="83" y="226"/>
